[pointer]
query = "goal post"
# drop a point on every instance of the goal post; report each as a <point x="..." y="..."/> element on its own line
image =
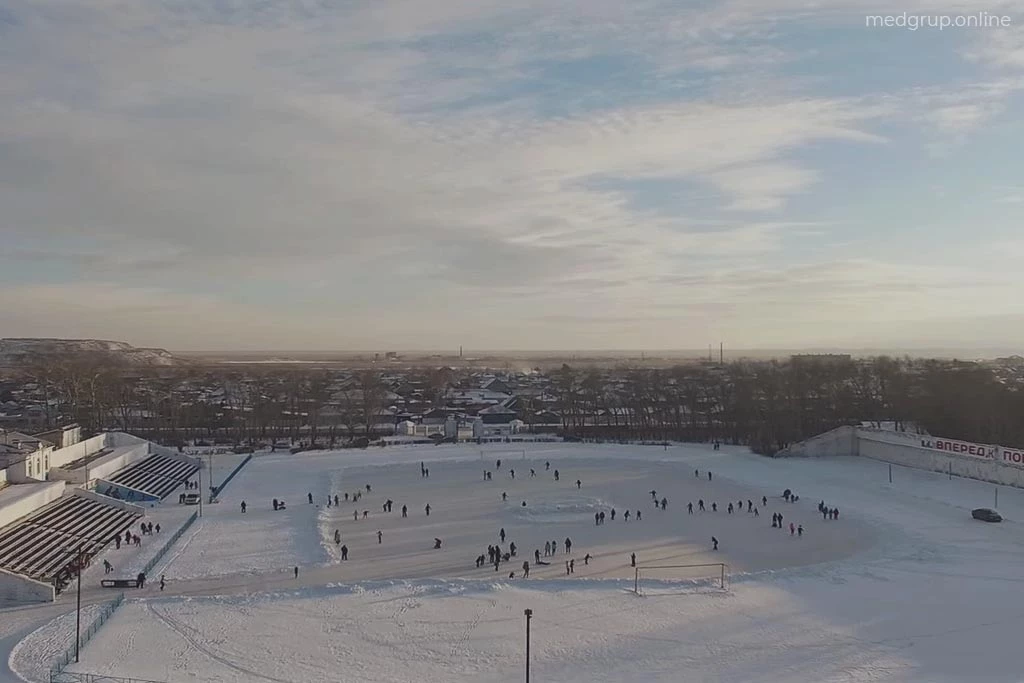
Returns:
<point x="690" y="572"/>
<point x="503" y="454"/>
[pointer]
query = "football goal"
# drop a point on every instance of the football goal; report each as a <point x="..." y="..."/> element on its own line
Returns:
<point x="713" y="572"/>
<point x="502" y="454"/>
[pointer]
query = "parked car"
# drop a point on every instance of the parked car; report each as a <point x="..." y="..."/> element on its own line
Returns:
<point x="986" y="515"/>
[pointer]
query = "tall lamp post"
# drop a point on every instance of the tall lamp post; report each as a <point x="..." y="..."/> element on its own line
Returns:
<point x="79" y="561"/>
<point x="529" y="615"/>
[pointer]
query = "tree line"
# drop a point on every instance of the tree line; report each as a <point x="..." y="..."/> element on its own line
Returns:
<point x="766" y="405"/>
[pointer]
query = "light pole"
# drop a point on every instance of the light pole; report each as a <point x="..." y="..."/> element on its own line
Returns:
<point x="200" y="488"/>
<point x="78" y="609"/>
<point x="529" y="615"/>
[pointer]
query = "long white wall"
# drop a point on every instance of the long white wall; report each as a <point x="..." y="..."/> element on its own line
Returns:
<point x="994" y="464"/>
<point x="14" y="505"/>
<point x="17" y="589"/>
<point x="107" y="500"/>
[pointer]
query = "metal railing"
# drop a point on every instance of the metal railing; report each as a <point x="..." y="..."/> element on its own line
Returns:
<point x="170" y="542"/>
<point x="68" y="655"/>
<point x="72" y="677"/>
<point x="220" y="487"/>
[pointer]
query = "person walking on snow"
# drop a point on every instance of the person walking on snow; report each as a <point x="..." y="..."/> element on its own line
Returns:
<point x="162" y="582"/>
<point x="296" y="570"/>
<point x="344" y="552"/>
<point x="664" y="503"/>
<point x="578" y="484"/>
<point x="730" y="508"/>
<point x="613" y="514"/>
<point x="800" y="530"/>
<point x="700" y="505"/>
<point x="405" y="510"/>
<point x="243" y="507"/>
<point x="632" y="559"/>
<point x="502" y="534"/>
<point x="625" y="516"/>
<point x="714" y="543"/>
<point x="792" y="528"/>
<point x="689" y="507"/>
<point x="380" y="536"/>
<point x="309" y="497"/>
<point x="639" y="517"/>
<point x="427" y="509"/>
<point x="568" y="545"/>
<point x="709" y="475"/>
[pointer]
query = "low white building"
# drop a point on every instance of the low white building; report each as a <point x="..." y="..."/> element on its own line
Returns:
<point x="26" y="458"/>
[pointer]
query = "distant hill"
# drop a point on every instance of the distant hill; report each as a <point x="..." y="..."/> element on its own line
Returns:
<point x="17" y="352"/>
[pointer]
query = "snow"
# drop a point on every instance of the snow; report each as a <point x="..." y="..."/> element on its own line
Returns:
<point x="32" y="657"/>
<point x="904" y="587"/>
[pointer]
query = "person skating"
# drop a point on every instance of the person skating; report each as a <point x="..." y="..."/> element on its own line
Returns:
<point x="602" y="517"/>
<point x="780" y="520"/>
<point x="578" y="484"/>
<point x="775" y="519"/>
<point x="625" y="516"/>
<point x="613" y="514"/>
<point x="501" y="534"/>
<point x="533" y="473"/>
<point x="750" y="505"/>
<point x="158" y="526"/>
<point x="536" y="556"/>
<point x="714" y="507"/>
<point x="512" y="549"/>
<point x="368" y="488"/>
<point x="800" y="530"/>
<point x="696" y="474"/>
<point x="709" y="475"/>
<point x="597" y="518"/>
<point x="792" y="528"/>
<point x="547" y="548"/>
<point x="328" y="501"/>
<point x="427" y="508"/>
<point x="296" y="571"/>
<point x="664" y="503"/>
<point x="632" y="559"/>
<point x="504" y="496"/>
<point x="163" y="582"/>
<point x="700" y="505"/>
<point x="567" y="567"/>
<point x="639" y="516"/>
<point x="380" y="536"/>
<point x="714" y="543"/>
<point x="346" y="497"/>
<point x="512" y="472"/>
<point x="497" y="464"/>
<point x="572" y="566"/>
<point x="107" y="567"/>
<point x="689" y="507"/>
<point x="355" y="515"/>
<point x="756" y="513"/>
<point x="344" y="552"/>
<point x="764" y="501"/>
<point x="365" y="513"/>
<point x="243" y="507"/>
<point x="556" y="475"/>
<point x="730" y="508"/>
<point x="526" y="569"/>
<point x="586" y="559"/>
<point x="654" y="495"/>
<point x="824" y="513"/>
<point x="568" y="545"/>
<point x="337" y="537"/>
<point x="405" y="511"/>
<point x="309" y="497"/>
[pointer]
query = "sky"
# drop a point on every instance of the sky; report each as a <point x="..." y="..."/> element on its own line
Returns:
<point x="511" y="174"/>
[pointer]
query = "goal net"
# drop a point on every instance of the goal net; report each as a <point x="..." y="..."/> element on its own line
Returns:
<point x="711" y="574"/>
<point x="502" y="454"/>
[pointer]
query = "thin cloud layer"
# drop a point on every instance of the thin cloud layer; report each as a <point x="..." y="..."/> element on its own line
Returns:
<point x="503" y="174"/>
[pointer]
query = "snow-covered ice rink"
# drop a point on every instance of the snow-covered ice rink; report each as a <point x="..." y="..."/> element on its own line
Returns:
<point x="905" y="586"/>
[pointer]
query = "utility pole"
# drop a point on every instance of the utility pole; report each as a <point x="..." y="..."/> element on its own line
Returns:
<point x="200" y="488"/>
<point x="78" y="608"/>
<point x="529" y="615"/>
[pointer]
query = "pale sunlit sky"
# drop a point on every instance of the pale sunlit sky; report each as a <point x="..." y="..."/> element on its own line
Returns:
<point x="510" y="174"/>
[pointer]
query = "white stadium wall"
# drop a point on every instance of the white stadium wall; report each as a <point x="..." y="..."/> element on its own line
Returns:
<point x="107" y="500"/>
<point x="17" y="589"/>
<point x="985" y="462"/>
<point x="16" y="506"/>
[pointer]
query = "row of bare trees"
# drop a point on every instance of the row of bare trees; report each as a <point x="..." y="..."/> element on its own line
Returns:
<point x="770" y="405"/>
<point x="766" y="405"/>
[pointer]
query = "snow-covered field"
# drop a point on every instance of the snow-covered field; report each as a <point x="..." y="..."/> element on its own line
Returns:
<point x="905" y="586"/>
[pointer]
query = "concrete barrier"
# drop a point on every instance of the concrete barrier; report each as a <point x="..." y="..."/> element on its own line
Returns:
<point x="16" y="589"/>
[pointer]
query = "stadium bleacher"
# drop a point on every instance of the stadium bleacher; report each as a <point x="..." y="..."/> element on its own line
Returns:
<point x="43" y="545"/>
<point x="157" y="475"/>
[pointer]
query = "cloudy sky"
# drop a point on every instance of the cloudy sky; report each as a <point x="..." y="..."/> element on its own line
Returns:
<point x="553" y="174"/>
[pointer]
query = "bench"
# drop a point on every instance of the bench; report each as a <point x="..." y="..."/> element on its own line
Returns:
<point x="120" y="583"/>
